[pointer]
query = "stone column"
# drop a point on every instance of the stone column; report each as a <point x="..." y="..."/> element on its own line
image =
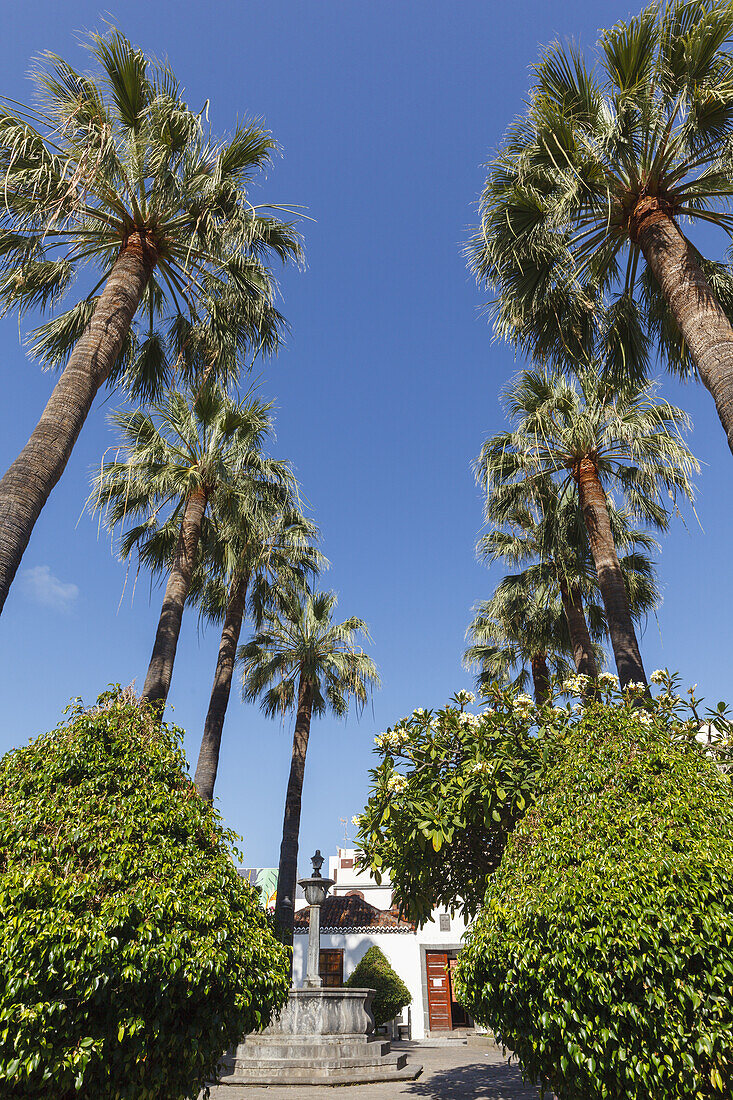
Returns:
<point x="315" y="889"/>
<point x="313" y="980"/>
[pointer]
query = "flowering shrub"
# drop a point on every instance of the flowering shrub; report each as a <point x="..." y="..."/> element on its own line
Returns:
<point x="132" y="952"/>
<point x="449" y="786"/>
<point x="452" y="784"/>
<point x="603" y="955"/>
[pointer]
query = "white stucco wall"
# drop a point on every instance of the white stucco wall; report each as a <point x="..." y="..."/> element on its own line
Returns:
<point x="347" y="878"/>
<point x="400" y="949"/>
<point x="404" y="950"/>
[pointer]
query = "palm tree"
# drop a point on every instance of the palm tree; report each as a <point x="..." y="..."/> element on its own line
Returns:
<point x="300" y="658"/>
<point x="267" y="551"/>
<point x="117" y="172"/>
<point x="519" y="631"/>
<point x="607" y="161"/>
<point x="188" y="455"/>
<point x="583" y="431"/>
<point x="547" y="535"/>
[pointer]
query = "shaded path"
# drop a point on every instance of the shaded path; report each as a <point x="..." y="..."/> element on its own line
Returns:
<point x="450" y="1072"/>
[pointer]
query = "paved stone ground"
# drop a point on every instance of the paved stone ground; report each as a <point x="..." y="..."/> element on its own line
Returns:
<point x="450" y="1072"/>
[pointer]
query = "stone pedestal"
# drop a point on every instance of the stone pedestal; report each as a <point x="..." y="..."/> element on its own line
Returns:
<point x="321" y="1036"/>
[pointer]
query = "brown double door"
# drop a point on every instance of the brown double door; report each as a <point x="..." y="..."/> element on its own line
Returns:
<point x="443" y="1012"/>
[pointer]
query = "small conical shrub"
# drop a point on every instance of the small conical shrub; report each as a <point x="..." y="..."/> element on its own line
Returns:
<point x="374" y="972"/>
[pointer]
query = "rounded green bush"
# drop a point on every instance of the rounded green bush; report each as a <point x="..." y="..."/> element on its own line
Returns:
<point x="603" y="956"/>
<point x="373" y="971"/>
<point x="132" y="953"/>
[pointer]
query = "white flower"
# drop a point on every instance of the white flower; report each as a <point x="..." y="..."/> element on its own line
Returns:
<point x="658" y="676"/>
<point x="391" y="741"/>
<point x="644" y="719"/>
<point x="608" y="679"/>
<point x="523" y="701"/>
<point x="557" y="712"/>
<point x="576" y="685"/>
<point x="480" y="766"/>
<point x="356" y="820"/>
<point x="464" y="697"/>
<point x="634" y="687"/>
<point x="418" y="712"/>
<point x="396" y="783"/>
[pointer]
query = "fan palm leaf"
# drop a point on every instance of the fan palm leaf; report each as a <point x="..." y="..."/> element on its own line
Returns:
<point x="300" y="658"/>
<point x="117" y="174"/>
<point x="519" y="634"/>
<point x="582" y="432"/>
<point x="181" y="469"/>
<point x="262" y="553"/>
<point x="582" y="215"/>
<point x="547" y="534"/>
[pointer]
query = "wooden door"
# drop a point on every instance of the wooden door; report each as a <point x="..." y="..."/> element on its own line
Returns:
<point x="331" y="967"/>
<point x="439" y="1006"/>
<point x="458" y="1013"/>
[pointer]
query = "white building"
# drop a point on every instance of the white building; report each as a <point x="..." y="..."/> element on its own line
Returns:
<point x="359" y="913"/>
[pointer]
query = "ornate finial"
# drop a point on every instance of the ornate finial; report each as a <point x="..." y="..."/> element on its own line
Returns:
<point x="317" y="861"/>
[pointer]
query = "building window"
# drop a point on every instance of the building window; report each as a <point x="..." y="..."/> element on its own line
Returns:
<point x="331" y="967"/>
<point x="347" y="863"/>
<point x="444" y="922"/>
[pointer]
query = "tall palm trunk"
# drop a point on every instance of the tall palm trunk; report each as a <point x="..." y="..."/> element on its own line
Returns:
<point x="540" y="678"/>
<point x="288" y="867"/>
<point x="160" y="669"/>
<point x="583" y="655"/>
<point x="610" y="579"/>
<point x="208" y="762"/>
<point x="28" y="483"/>
<point x="700" y="317"/>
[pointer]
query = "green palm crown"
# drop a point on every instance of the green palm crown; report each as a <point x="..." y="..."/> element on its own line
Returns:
<point x="633" y="440"/>
<point x="210" y="445"/>
<point x="645" y="132"/>
<point x="104" y="161"/>
<point x="303" y="644"/>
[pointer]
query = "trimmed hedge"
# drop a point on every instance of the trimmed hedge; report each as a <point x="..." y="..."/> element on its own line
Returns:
<point x="374" y="972"/>
<point x="603" y="956"/>
<point x="132" y="952"/>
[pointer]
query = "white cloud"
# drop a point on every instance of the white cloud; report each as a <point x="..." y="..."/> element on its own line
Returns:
<point x="40" y="585"/>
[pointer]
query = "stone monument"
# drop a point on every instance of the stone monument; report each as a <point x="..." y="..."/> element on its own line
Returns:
<point x="315" y="889"/>
<point x="321" y="1035"/>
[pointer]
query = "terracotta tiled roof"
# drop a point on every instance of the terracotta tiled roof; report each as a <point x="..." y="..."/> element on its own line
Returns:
<point x="350" y="913"/>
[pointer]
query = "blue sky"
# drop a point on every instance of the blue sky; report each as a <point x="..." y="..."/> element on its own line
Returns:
<point x="385" y="113"/>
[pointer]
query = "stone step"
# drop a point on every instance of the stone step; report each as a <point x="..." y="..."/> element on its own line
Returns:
<point x="318" y="1075"/>
<point x="308" y="1047"/>
<point x="275" y="1064"/>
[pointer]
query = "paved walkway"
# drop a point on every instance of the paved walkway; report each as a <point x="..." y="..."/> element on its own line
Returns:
<point x="450" y="1072"/>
